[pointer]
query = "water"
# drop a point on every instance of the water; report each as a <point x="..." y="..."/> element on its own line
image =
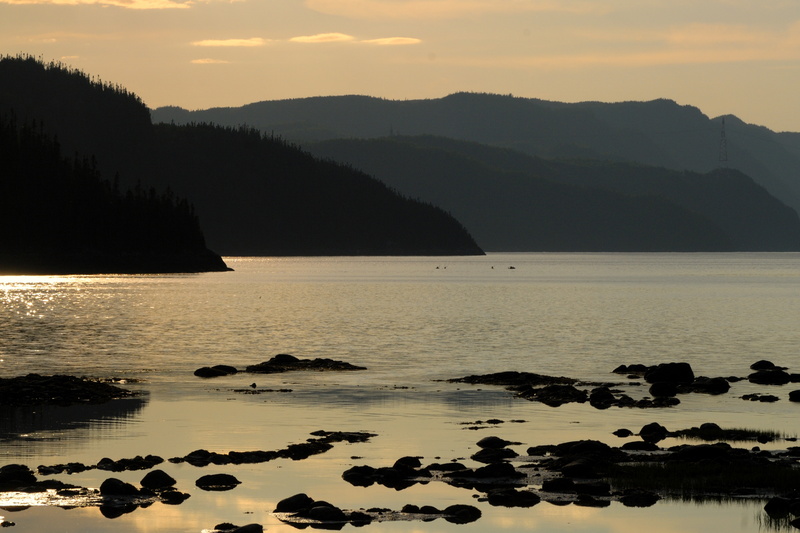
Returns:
<point x="412" y="322"/>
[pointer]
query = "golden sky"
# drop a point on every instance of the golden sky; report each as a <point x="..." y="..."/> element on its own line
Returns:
<point x="723" y="56"/>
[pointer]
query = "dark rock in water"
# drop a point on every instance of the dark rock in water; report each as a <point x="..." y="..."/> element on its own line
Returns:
<point x="778" y="507"/>
<point x="631" y="369"/>
<point x="586" y="500"/>
<point x="763" y="364"/>
<point x="493" y="455"/>
<point x="601" y="398"/>
<point x="512" y="378"/>
<point x="16" y="477"/>
<point x="702" y="452"/>
<point x="640" y="446"/>
<point x="461" y="514"/>
<point x="35" y="389"/>
<point x="407" y="463"/>
<point x="215" y="371"/>
<point x="662" y="389"/>
<point x="494" y="442"/>
<point x="710" y="385"/>
<point x="670" y="372"/>
<point x="286" y="362"/>
<point x="295" y="503"/>
<point x="794" y="396"/>
<point x="324" y="512"/>
<point x="653" y="432"/>
<point x="512" y="498"/>
<point x="595" y="488"/>
<point x="555" y="395"/>
<point x="769" y="377"/>
<point x="622" y="433"/>
<point x="639" y="498"/>
<point x="172" y="496"/>
<point x="116" y="487"/>
<point x="157" y="479"/>
<point x="217" y="482"/>
<point x="765" y="398"/>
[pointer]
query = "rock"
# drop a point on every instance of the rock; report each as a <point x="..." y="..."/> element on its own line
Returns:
<point x="295" y="503"/>
<point x="156" y="480"/>
<point x="601" y="398"/>
<point x="494" y="442"/>
<point x="35" y="389"/>
<point x="559" y="484"/>
<point x="286" y="362"/>
<point x="461" y="514"/>
<point x="710" y="385"/>
<point x="555" y="395"/>
<point x="215" y="371"/>
<point x="653" y="432"/>
<point x="249" y="528"/>
<point x="116" y="487"/>
<point x="512" y="498"/>
<point x="663" y="389"/>
<point x="702" y="452"/>
<point x="16" y="476"/>
<point x="217" y="482"/>
<point x="670" y="372"/>
<point x="408" y="463"/>
<point x="769" y="377"/>
<point x="763" y="365"/>
<point x="623" y="433"/>
<point x="794" y="396"/>
<point x="631" y="369"/>
<point x="324" y="512"/>
<point x="494" y="455"/>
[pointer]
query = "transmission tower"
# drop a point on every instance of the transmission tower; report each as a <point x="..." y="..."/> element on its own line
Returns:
<point x="723" y="146"/>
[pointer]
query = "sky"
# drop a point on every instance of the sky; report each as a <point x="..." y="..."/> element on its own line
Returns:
<point x="739" y="57"/>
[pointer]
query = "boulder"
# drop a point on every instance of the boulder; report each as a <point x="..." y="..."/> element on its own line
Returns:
<point x="116" y="487"/>
<point x="769" y="377"/>
<point x="493" y="442"/>
<point x="763" y="364"/>
<point x="512" y="498"/>
<point x="461" y="514"/>
<point x="217" y="482"/>
<point x="794" y="396"/>
<point x="653" y="432"/>
<point x="295" y="503"/>
<point x="156" y="480"/>
<point x="215" y="371"/>
<point x="663" y="389"/>
<point x="670" y="372"/>
<point x="710" y="385"/>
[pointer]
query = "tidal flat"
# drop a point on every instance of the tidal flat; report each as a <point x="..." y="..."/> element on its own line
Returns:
<point x="413" y="328"/>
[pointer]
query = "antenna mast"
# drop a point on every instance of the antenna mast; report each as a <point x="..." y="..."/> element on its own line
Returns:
<point x="723" y="146"/>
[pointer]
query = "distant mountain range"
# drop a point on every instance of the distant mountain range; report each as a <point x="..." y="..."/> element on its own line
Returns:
<point x="529" y="175"/>
<point x="254" y="194"/>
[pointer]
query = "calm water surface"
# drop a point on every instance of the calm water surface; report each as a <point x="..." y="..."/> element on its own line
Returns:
<point x="412" y="322"/>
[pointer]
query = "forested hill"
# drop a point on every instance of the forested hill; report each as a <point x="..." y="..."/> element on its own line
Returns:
<point x="254" y="194"/>
<point x="656" y="133"/>
<point x="59" y="216"/>
<point x="514" y="202"/>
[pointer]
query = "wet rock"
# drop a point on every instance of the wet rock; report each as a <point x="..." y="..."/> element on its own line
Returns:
<point x="512" y="498"/>
<point x="559" y="484"/>
<point x="16" y="477"/>
<point x="670" y="373"/>
<point x="640" y="446"/>
<point x="794" y="396"/>
<point x="631" y="369"/>
<point x="653" y="432"/>
<point x="461" y="514"/>
<point x="763" y="364"/>
<point x="702" y="452"/>
<point x="494" y="455"/>
<point x="494" y="442"/>
<point x="555" y="395"/>
<point x="662" y="389"/>
<point x="769" y="377"/>
<point x="286" y="362"/>
<point x="217" y="482"/>
<point x="215" y="371"/>
<point x="35" y="389"/>
<point x="408" y="463"/>
<point x="514" y="379"/>
<point x="623" y="433"/>
<point x="116" y="487"/>
<point x="324" y="512"/>
<point x="157" y="480"/>
<point x="765" y="398"/>
<point x="602" y="398"/>
<point x="295" y="503"/>
<point x="710" y="385"/>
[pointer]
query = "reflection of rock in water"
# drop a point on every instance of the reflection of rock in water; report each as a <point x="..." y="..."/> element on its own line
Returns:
<point x="48" y="422"/>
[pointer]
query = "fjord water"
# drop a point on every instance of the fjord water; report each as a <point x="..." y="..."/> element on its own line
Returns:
<point x="412" y="322"/>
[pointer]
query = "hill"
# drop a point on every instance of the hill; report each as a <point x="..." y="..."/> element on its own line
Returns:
<point x="60" y="217"/>
<point x="514" y="202"/>
<point x="255" y="194"/>
<point x="657" y="133"/>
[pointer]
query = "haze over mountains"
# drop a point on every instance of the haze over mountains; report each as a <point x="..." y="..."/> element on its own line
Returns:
<point x="531" y="175"/>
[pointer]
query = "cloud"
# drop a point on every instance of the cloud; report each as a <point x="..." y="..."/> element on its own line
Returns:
<point x="393" y="41"/>
<point x="254" y="41"/>
<point x="209" y="61"/>
<point x="128" y="4"/>
<point x="440" y="9"/>
<point x="323" y="38"/>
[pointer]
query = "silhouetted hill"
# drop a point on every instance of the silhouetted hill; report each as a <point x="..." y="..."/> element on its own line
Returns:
<point x="58" y="216"/>
<point x="514" y="202"/>
<point x="657" y="133"/>
<point x="256" y="195"/>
